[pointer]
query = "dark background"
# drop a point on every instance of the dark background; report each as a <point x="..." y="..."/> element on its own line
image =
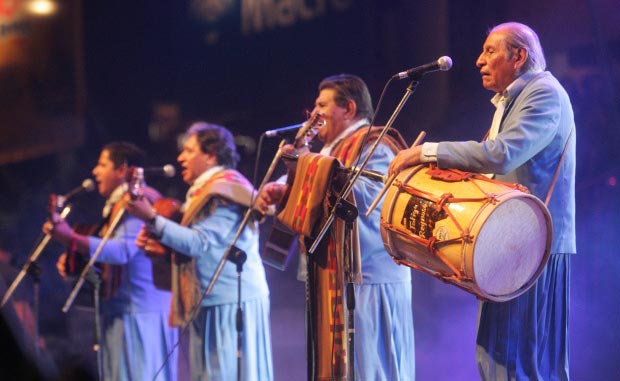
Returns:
<point x="143" y="66"/>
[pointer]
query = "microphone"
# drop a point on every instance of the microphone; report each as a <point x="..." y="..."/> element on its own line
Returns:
<point x="167" y="170"/>
<point x="443" y="64"/>
<point x="292" y="129"/>
<point x="246" y="143"/>
<point x="87" y="186"/>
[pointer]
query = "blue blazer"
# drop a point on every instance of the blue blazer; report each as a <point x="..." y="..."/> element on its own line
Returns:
<point x="532" y="135"/>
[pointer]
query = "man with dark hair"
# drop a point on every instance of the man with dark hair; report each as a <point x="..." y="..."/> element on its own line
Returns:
<point x="216" y="202"/>
<point x="136" y="338"/>
<point x="384" y="341"/>
<point x="531" y="141"/>
<point x="126" y="153"/>
<point x="350" y="88"/>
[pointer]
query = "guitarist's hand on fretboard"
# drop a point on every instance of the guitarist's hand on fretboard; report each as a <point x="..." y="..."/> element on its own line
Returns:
<point x="55" y="225"/>
<point x="271" y="194"/>
<point x="59" y="230"/>
<point x="139" y="207"/>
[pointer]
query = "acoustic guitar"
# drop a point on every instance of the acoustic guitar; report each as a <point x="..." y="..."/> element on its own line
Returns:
<point x="282" y="242"/>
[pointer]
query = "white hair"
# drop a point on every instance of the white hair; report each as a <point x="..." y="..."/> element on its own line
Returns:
<point x="522" y="36"/>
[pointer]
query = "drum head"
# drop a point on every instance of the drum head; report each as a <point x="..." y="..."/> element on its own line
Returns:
<point x="509" y="256"/>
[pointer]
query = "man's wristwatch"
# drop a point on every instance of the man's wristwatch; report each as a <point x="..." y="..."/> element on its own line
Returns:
<point x="150" y="223"/>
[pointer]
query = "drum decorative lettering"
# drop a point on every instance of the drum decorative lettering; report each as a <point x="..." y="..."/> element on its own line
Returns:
<point x="420" y="217"/>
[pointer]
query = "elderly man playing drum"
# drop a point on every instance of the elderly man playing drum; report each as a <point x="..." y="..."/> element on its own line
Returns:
<point x="531" y="142"/>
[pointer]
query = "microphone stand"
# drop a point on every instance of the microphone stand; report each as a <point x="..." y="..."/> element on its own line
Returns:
<point x="34" y="271"/>
<point x="88" y="271"/>
<point x="348" y="213"/>
<point x="244" y="222"/>
<point x="36" y="252"/>
<point x="356" y="174"/>
<point x="78" y="285"/>
<point x="95" y="279"/>
<point x="238" y="257"/>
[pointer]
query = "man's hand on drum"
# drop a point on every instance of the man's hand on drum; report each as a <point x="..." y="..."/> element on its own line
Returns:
<point x="271" y="194"/>
<point x="405" y="159"/>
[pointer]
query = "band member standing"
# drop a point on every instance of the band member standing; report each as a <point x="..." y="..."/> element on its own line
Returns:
<point x="527" y="337"/>
<point x="384" y="338"/>
<point x="136" y="337"/>
<point x="216" y="202"/>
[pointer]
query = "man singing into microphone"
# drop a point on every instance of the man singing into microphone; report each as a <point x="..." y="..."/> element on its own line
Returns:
<point x="216" y="202"/>
<point x="136" y="337"/>
<point x="532" y="136"/>
<point x="383" y="340"/>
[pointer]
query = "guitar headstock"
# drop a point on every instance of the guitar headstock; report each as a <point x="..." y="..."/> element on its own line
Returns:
<point x="135" y="179"/>
<point x="53" y="204"/>
<point x="309" y="130"/>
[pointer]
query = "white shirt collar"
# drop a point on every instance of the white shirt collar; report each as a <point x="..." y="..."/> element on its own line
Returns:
<point x="513" y="89"/>
<point x="501" y="97"/>
<point x="327" y="148"/>
<point x="114" y="197"/>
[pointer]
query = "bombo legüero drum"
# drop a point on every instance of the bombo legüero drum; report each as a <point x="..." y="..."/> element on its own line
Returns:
<point x="490" y="238"/>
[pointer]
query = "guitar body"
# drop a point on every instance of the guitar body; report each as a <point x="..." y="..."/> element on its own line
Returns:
<point x="283" y="242"/>
<point x="158" y="253"/>
<point x="75" y="261"/>
<point x="170" y="209"/>
<point x="280" y="246"/>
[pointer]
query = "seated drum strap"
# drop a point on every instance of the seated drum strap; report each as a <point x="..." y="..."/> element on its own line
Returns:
<point x="310" y="187"/>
